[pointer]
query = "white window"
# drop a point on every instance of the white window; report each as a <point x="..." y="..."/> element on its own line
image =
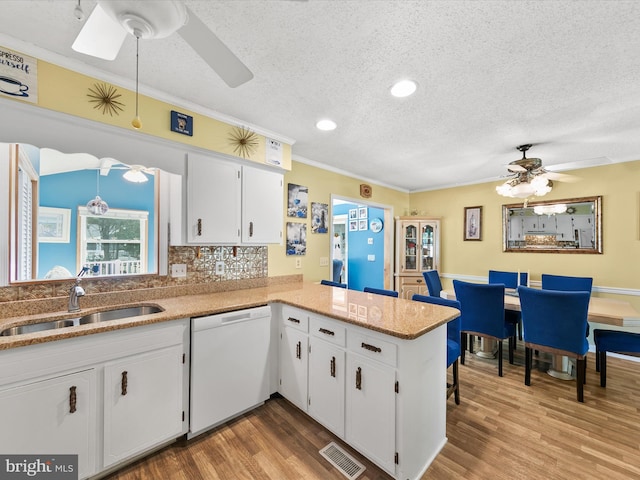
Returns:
<point x="114" y="243"/>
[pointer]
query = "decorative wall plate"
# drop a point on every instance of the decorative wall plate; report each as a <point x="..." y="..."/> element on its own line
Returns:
<point x="376" y="225"/>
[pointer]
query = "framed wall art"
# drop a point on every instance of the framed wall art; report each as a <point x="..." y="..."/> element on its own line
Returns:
<point x="473" y="223"/>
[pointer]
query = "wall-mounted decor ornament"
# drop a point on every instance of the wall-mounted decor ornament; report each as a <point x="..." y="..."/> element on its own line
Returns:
<point x="365" y="190"/>
<point x="243" y="141"/>
<point x="105" y="97"/>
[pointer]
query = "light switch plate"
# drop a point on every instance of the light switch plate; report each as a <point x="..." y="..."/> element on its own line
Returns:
<point x="324" y="261"/>
<point x="371" y="258"/>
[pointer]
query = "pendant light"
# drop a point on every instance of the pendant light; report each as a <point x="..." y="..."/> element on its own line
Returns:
<point x="97" y="206"/>
<point x="136" y="122"/>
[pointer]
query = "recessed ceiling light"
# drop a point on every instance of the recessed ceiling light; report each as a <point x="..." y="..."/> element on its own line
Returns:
<point x="326" y="125"/>
<point x="403" y="88"/>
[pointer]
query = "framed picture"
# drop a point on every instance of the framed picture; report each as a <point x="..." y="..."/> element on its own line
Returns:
<point x="362" y="212"/>
<point x="353" y="214"/>
<point x="353" y="225"/>
<point x="363" y="224"/>
<point x="296" y="238"/>
<point x="53" y="225"/>
<point x="473" y="223"/>
<point x="297" y="200"/>
<point x="319" y="217"/>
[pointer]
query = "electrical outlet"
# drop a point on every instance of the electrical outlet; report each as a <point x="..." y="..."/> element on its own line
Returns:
<point x="219" y="268"/>
<point x="298" y="263"/>
<point x="324" y="261"/>
<point x="178" y="270"/>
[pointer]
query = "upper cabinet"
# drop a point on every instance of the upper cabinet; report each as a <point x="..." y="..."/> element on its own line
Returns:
<point x="228" y="203"/>
<point x="417" y="244"/>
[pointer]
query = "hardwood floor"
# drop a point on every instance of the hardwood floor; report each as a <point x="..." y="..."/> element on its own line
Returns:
<point x="501" y="430"/>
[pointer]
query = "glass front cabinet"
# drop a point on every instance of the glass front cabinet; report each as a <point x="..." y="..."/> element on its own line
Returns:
<point x="417" y="250"/>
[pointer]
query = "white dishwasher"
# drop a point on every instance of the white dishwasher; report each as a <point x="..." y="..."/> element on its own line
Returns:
<point x="229" y="366"/>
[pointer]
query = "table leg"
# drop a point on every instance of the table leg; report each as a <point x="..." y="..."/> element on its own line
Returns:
<point x="488" y="348"/>
<point x="560" y="368"/>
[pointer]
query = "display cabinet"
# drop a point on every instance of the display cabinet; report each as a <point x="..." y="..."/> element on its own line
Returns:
<point x="417" y="251"/>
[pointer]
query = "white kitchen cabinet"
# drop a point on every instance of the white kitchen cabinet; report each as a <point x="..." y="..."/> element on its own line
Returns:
<point x="262" y="206"/>
<point x="229" y="203"/>
<point x="40" y="384"/>
<point x="213" y="200"/>
<point x="516" y="226"/>
<point x="371" y="410"/>
<point x="294" y="356"/>
<point x="142" y="402"/>
<point x="564" y="228"/>
<point x="56" y="415"/>
<point x="327" y="374"/>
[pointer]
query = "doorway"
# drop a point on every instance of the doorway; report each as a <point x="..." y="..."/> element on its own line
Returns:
<point x="362" y="238"/>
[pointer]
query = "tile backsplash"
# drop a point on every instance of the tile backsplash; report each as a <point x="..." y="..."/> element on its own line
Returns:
<point x="240" y="263"/>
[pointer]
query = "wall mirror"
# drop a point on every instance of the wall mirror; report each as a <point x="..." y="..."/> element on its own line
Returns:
<point x="53" y="234"/>
<point x="572" y="225"/>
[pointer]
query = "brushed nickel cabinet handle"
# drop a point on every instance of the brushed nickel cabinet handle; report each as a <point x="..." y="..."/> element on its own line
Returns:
<point x="332" y="368"/>
<point x="123" y="383"/>
<point x="359" y="379"/>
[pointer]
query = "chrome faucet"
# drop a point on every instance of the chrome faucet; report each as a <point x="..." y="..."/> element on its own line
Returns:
<point x="76" y="292"/>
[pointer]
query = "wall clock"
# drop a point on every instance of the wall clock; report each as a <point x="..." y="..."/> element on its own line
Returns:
<point x="376" y="225"/>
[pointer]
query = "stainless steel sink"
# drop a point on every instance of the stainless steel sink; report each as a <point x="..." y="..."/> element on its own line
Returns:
<point x="115" y="314"/>
<point x="119" y="313"/>
<point x="36" y="327"/>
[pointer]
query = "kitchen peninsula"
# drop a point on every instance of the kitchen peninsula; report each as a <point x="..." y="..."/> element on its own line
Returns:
<point x="391" y="362"/>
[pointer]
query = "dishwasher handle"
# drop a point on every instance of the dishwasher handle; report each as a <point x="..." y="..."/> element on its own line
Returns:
<point x="229" y="318"/>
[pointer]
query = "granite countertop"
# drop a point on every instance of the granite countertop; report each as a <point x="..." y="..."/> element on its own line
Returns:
<point x="400" y="318"/>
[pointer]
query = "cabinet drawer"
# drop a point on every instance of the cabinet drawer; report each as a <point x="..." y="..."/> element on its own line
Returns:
<point x="412" y="281"/>
<point x="296" y="318"/>
<point x="327" y="330"/>
<point x="373" y="347"/>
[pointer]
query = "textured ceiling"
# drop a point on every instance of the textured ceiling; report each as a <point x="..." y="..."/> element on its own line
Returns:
<point x="492" y="75"/>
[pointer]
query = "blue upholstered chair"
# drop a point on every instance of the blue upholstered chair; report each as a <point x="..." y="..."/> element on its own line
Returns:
<point x="381" y="291"/>
<point x="453" y="341"/>
<point x="615" y="341"/>
<point x="333" y="284"/>
<point x="566" y="284"/>
<point x="432" y="279"/>
<point x="483" y="315"/>
<point x="510" y="280"/>
<point x="555" y="321"/>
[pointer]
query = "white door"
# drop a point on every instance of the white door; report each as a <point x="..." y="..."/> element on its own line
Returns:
<point x="294" y="361"/>
<point x="371" y="410"/>
<point x="54" y="416"/>
<point x="326" y="385"/>
<point x="142" y="402"/>
<point x="213" y="200"/>
<point x="262" y="206"/>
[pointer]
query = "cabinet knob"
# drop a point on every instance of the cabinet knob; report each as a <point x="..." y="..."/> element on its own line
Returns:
<point x="72" y="399"/>
<point x="359" y="379"/>
<point x="123" y="383"/>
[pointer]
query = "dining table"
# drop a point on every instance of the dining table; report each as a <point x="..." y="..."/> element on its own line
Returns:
<point x="601" y="310"/>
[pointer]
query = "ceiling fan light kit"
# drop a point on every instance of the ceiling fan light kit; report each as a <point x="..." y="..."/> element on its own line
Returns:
<point x="529" y="178"/>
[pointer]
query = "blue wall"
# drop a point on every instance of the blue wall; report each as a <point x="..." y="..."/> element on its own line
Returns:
<point x="362" y="272"/>
<point x="73" y="189"/>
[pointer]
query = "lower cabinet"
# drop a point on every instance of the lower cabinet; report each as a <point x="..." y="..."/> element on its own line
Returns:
<point x="142" y="402"/>
<point x="294" y="359"/>
<point x="52" y="416"/>
<point x="122" y="390"/>
<point x="407" y="286"/>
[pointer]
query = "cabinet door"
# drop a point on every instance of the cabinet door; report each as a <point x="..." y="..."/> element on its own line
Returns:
<point x="53" y="416"/>
<point x="515" y="229"/>
<point x="213" y="201"/>
<point x="371" y="410"/>
<point x="564" y="228"/>
<point x="409" y="246"/>
<point x="326" y="385"/>
<point x="294" y="362"/>
<point x="409" y="286"/>
<point x="428" y="246"/>
<point x="142" y="402"/>
<point x="262" y="206"/>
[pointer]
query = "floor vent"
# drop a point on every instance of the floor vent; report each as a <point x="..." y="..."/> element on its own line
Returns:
<point x="344" y="462"/>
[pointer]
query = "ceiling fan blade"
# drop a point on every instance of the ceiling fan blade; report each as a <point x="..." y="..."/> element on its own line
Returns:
<point x="561" y="177"/>
<point x="214" y="52"/>
<point x="101" y="36"/>
<point x="516" y="168"/>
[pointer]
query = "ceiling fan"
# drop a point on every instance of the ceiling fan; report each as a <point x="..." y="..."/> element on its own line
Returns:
<point x="106" y="28"/>
<point x="528" y="178"/>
